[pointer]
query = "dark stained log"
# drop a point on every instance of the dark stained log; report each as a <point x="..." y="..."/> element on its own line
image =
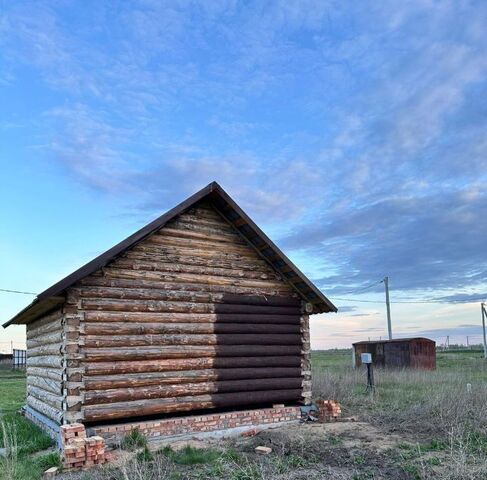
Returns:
<point x="181" y="404"/>
<point x="127" y="328"/>
<point x="186" y="287"/>
<point x="115" y="340"/>
<point x="149" y="317"/>
<point x="97" y="397"/>
<point x="108" y="304"/>
<point x="129" y="380"/>
<point x="167" y="365"/>
<point x="187" y="351"/>
<point x="263" y="300"/>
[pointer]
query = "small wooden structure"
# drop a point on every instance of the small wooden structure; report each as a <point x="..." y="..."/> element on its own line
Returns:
<point x="416" y="352"/>
<point x="6" y="359"/>
<point x="197" y="310"/>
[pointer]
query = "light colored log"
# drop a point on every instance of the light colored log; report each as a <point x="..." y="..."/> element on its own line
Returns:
<point x="192" y="261"/>
<point x="212" y="237"/>
<point x="161" y="249"/>
<point x="150" y="265"/>
<point x="187" y="351"/>
<point x="282" y="290"/>
<point x="49" y="361"/>
<point x="53" y="413"/>
<point x="175" y="318"/>
<point x="187" y="403"/>
<point x="152" y="294"/>
<point x="46" y="329"/>
<point x="97" y="397"/>
<point x="54" y="401"/>
<point x="223" y="248"/>
<point x="51" y="317"/>
<point x="116" y="340"/>
<point x="45" y="339"/>
<point x="202" y="223"/>
<point x="129" y="328"/>
<point x="48" y="373"/>
<point x="52" y="386"/>
<point x="204" y="228"/>
<point x="44" y="350"/>
<point x="178" y="278"/>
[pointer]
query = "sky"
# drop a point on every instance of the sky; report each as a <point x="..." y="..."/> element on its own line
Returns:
<point x="353" y="133"/>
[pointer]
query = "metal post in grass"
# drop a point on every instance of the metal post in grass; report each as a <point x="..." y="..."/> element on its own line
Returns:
<point x="388" y="307"/>
<point x="484" y="314"/>
<point x="366" y="358"/>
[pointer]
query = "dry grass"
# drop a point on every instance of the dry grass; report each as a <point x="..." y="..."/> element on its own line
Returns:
<point x="437" y="407"/>
<point x="9" y="463"/>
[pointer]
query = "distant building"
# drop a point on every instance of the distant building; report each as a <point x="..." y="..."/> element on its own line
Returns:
<point x="400" y="353"/>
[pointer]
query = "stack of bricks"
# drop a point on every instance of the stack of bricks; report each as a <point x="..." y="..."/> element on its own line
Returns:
<point x="95" y="451"/>
<point x="328" y="410"/>
<point x="80" y="452"/>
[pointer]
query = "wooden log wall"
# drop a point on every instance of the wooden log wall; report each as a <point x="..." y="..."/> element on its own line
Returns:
<point x="45" y="365"/>
<point x="190" y="318"/>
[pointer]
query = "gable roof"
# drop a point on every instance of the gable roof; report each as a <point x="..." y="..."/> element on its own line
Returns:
<point x="226" y="206"/>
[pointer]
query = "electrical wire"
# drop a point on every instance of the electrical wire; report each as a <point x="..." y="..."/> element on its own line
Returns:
<point x="471" y="300"/>
<point x="16" y="291"/>
<point x="364" y="288"/>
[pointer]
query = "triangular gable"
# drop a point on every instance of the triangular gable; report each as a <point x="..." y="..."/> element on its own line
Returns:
<point x="231" y="212"/>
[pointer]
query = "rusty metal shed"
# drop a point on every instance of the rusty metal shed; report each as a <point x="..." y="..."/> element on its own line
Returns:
<point x="418" y="352"/>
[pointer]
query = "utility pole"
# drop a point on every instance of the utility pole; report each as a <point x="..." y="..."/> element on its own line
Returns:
<point x="448" y="342"/>
<point x="484" y="314"/>
<point x="388" y="305"/>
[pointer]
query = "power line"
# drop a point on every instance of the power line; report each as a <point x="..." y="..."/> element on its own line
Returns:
<point x="364" y="288"/>
<point x="473" y="300"/>
<point x="16" y="291"/>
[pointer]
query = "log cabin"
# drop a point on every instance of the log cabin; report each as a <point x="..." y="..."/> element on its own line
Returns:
<point x="197" y="311"/>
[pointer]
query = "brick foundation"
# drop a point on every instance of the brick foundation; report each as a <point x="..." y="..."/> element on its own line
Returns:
<point x="199" y="424"/>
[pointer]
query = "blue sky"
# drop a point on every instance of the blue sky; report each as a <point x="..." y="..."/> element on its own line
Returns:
<point x="354" y="133"/>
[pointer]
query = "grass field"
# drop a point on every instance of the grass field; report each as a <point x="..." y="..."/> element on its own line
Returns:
<point x="417" y="425"/>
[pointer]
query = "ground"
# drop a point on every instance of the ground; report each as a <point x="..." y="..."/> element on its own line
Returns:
<point x="417" y="425"/>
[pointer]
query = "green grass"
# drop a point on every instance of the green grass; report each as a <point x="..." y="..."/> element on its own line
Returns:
<point x="134" y="440"/>
<point x="29" y="437"/>
<point x="12" y="390"/>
